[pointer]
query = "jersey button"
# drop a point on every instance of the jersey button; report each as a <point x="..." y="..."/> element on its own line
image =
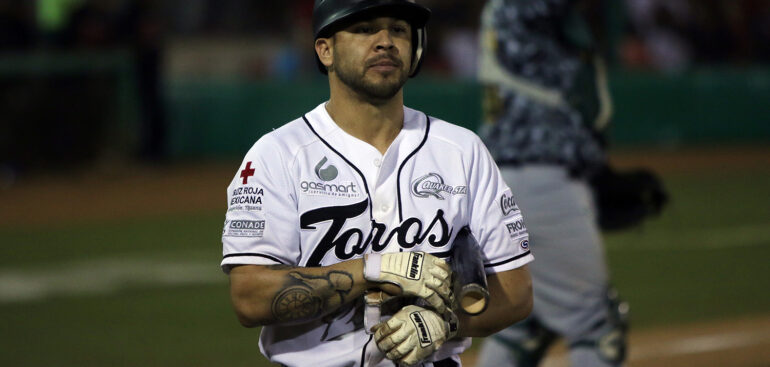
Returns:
<point x="377" y="162"/>
<point x="384" y="208"/>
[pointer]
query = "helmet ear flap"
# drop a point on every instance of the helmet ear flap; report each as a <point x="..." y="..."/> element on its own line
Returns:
<point x="419" y="41"/>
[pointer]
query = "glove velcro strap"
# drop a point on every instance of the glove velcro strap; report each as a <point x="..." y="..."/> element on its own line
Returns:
<point x="372" y="312"/>
<point x="372" y="266"/>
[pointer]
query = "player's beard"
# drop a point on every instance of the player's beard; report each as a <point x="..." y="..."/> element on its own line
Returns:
<point x="383" y="90"/>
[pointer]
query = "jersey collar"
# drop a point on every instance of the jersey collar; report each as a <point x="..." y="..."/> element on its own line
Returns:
<point x="413" y="131"/>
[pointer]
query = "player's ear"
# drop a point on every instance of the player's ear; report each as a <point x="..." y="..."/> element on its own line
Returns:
<point x="323" y="48"/>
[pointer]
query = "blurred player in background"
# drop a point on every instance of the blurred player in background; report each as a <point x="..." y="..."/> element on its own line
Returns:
<point x="547" y="106"/>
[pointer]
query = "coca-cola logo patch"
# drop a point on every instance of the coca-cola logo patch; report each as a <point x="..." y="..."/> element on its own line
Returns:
<point x="507" y="204"/>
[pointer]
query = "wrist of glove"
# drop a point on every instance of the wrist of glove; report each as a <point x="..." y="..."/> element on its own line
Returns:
<point x="417" y="274"/>
<point x="414" y="334"/>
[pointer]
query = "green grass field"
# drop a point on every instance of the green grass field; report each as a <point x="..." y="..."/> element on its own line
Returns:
<point x="148" y="291"/>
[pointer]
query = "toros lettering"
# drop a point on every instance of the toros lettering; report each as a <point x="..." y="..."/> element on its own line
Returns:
<point x="336" y="240"/>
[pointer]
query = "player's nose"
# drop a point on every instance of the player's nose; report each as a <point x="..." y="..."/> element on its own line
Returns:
<point x="384" y="40"/>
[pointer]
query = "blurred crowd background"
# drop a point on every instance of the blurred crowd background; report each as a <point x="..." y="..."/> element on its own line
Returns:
<point x="666" y="35"/>
<point x="84" y="79"/>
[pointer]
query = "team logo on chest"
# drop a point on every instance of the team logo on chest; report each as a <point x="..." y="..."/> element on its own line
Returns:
<point x="347" y="243"/>
<point x="432" y="185"/>
<point x="324" y="184"/>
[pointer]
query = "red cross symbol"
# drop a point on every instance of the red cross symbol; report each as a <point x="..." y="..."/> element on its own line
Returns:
<point x="247" y="172"/>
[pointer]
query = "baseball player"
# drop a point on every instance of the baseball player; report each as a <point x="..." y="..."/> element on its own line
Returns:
<point x="547" y="106"/>
<point x="363" y="195"/>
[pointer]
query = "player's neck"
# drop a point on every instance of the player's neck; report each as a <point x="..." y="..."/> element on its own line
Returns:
<point x="375" y="123"/>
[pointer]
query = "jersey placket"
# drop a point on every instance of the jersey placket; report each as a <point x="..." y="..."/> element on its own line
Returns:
<point x="384" y="199"/>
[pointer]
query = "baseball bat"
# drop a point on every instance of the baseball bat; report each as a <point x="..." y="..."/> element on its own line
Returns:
<point x="470" y="285"/>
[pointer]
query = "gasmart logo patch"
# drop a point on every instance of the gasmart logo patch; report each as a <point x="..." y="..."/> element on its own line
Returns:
<point x="326" y="174"/>
<point x="345" y="189"/>
<point x="323" y="183"/>
<point x="432" y="185"/>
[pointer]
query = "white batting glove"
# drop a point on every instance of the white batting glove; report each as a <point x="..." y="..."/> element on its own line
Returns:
<point x="416" y="273"/>
<point x="413" y="334"/>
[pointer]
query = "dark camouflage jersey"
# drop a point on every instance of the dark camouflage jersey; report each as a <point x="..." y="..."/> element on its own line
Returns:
<point x="548" y="112"/>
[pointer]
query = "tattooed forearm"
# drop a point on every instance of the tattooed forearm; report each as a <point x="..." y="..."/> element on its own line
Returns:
<point x="305" y="297"/>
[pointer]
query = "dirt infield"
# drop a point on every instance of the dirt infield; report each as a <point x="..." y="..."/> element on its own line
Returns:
<point x="731" y="343"/>
<point x="119" y="191"/>
<point x="116" y="193"/>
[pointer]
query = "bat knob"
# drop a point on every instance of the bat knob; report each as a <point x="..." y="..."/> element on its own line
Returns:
<point x="473" y="299"/>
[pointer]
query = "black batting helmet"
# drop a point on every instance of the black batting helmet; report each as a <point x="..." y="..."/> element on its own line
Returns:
<point x="331" y="15"/>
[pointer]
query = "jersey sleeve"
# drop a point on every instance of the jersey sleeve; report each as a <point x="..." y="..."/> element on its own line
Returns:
<point x="496" y="221"/>
<point x="261" y="225"/>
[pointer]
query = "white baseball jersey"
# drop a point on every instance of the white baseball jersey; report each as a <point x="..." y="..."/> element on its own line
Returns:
<point x="309" y="194"/>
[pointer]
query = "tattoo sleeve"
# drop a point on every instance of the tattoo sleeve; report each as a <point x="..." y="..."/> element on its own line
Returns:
<point x="305" y="297"/>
